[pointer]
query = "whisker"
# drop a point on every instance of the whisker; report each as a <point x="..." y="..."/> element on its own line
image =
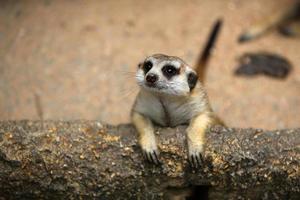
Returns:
<point x="129" y="74"/>
<point x="127" y="93"/>
<point x="125" y="71"/>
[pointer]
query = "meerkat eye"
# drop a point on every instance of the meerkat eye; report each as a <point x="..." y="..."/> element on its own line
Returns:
<point x="147" y="66"/>
<point x="169" y="71"/>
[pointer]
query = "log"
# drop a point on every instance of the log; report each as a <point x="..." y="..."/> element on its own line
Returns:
<point x="93" y="160"/>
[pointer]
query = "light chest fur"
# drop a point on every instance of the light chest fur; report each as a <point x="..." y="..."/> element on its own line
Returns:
<point x="169" y="111"/>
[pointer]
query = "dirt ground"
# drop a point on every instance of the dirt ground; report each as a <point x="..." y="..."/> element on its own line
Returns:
<point x="79" y="57"/>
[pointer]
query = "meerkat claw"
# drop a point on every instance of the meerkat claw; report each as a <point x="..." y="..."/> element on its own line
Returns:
<point x="196" y="161"/>
<point x="152" y="157"/>
<point x="190" y="160"/>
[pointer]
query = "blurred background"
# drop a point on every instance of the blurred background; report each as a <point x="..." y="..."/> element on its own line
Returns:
<point x="72" y="59"/>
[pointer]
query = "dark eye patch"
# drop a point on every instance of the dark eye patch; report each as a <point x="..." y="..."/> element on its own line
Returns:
<point x="147" y="66"/>
<point x="170" y="70"/>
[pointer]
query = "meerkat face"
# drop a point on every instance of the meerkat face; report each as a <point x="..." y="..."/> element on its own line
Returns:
<point x="167" y="75"/>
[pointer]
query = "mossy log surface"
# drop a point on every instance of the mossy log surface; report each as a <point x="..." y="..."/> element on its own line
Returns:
<point x="92" y="160"/>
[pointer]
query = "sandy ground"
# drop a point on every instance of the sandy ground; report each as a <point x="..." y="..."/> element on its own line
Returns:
<point x="79" y="57"/>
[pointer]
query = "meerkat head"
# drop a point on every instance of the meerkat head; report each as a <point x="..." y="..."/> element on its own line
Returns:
<point x="167" y="75"/>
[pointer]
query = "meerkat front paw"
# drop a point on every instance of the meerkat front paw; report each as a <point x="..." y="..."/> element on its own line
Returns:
<point x="195" y="154"/>
<point x="151" y="152"/>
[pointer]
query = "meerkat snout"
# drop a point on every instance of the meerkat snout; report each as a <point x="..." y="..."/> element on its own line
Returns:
<point x="151" y="78"/>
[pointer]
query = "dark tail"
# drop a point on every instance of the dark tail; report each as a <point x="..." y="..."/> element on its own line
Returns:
<point x="201" y="64"/>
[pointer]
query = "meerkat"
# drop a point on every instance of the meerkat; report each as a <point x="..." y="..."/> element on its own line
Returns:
<point x="286" y="20"/>
<point x="171" y="94"/>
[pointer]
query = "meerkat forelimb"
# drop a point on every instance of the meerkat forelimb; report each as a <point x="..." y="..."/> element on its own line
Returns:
<point x="196" y="137"/>
<point x="146" y="137"/>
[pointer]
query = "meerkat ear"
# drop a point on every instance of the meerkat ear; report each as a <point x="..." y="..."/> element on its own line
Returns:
<point x="140" y="65"/>
<point x="192" y="80"/>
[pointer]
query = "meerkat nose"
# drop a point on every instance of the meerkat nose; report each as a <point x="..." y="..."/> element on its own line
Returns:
<point x="151" y="78"/>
